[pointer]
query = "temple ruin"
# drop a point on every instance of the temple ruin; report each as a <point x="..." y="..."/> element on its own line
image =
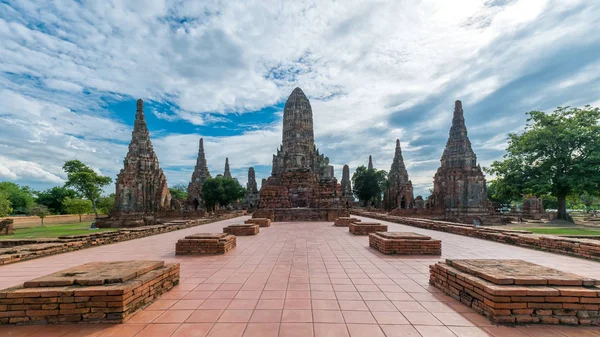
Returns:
<point x="227" y="172"/>
<point x="251" y="198"/>
<point x="141" y="187"/>
<point x="301" y="177"/>
<point x="459" y="184"/>
<point x="400" y="191"/>
<point x="347" y="193"/>
<point x="200" y="174"/>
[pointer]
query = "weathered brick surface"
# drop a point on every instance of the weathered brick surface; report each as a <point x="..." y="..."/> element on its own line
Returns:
<point x="405" y="243"/>
<point x="113" y="302"/>
<point x="262" y="222"/>
<point x="586" y="248"/>
<point x="504" y="293"/>
<point x="16" y="250"/>
<point x="365" y="228"/>
<point x="242" y="230"/>
<point x="345" y="221"/>
<point x="205" y="244"/>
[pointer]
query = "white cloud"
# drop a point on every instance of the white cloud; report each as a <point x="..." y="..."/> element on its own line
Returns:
<point x="374" y="72"/>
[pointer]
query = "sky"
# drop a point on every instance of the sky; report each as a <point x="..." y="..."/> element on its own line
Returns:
<point x="374" y="71"/>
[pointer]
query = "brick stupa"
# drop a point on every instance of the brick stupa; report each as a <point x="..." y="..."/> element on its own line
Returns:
<point x="459" y="184"/>
<point x="141" y="187"/>
<point x="347" y="194"/>
<point x="200" y="174"/>
<point x="400" y="191"/>
<point x="302" y="185"/>
<point x="251" y="198"/>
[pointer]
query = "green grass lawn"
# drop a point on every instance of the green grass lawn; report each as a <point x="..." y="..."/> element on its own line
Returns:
<point x="561" y="230"/>
<point x="54" y="231"/>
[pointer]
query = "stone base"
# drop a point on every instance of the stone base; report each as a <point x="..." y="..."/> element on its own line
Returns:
<point x="262" y="222"/>
<point x="405" y="243"/>
<point x="344" y="221"/>
<point x="516" y="291"/>
<point x="97" y="292"/>
<point x="300" y="214"/>
<point x="8" y="229"/>
<point x="242" y="230"/>
<point x="365" y="228"/>
<point x="205" y="244"/>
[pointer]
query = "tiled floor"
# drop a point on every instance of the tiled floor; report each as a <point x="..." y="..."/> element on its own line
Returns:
<point x="298" y="279"/>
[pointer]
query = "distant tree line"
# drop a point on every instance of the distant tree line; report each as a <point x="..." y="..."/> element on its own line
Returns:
<point x="81" y="194"/>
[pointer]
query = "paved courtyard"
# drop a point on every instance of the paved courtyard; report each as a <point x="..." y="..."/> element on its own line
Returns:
<point x="298" y="279"/>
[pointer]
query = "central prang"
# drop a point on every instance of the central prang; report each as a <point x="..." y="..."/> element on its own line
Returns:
<point x="301" y="177"/>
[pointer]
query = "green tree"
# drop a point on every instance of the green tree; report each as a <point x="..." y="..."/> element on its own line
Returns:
<point x="178" y="192"/>
<point x="85" y="181"/>
<point x="21" y="197"/>
<point x="558" y="154"/>
<point x="5" y="207"/>
<point x="41" y="211"/>
<point x="369" y="185"/>
<point x="590" y="202"/>
<point x="54" y="197"/>
<point x="221" y="191"/>
<point x="495" y="196"/>
<point x="105" y="204"/>
<point x="78" y="206"/>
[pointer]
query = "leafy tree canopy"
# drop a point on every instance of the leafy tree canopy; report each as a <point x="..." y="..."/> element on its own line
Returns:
<point x="85" y="181"/>
<point x="5" y="207"/>
<point x="78" y="206"/>
<point x="105" y="204"/>
<point x="557" y="154"/>
<point x="369" y="185"/>
<point x="178" y="192"/>
<point x="221" y="191"/>
<point x="54" y="197"/>
<point x="21" y="197"/>
<point x="41" y="211"/>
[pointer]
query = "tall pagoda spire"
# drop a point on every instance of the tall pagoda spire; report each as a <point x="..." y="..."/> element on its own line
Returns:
<point x="370" y="167"/>
<point x="298" y="133"/>
<point x="458" y="151"/>
<point x="141" y="185"/>
<point x="227" y="173"/>
<point x="347" y="184"/>
<point x="400" y="191"/>
<point x="199" y="175"/>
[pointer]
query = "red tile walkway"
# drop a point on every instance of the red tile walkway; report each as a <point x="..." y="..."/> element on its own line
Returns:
<point x="298" y="279"/>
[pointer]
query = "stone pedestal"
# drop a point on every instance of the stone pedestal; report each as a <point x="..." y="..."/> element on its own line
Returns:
<point x="345" y="221"/>
<point x="405" y="243"/>
<point x="97" y="292"/>
<point x="262" y="222"/>
<point x="516" y="291"/>
<point x="242" y="230"/>
<point x="365" y="228"/>
<point x="301" y="214"/>
<point x="205" y="244"/>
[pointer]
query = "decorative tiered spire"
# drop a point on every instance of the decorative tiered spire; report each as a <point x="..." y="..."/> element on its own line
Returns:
<point x="458" y="151"/>
<point x="398" y="168"/>
<point x="400" y="192"/>
<point x="200" y="174"/>
<point x="370" y="167"/>
<point x="141" y="185"/>
<point x="227" y="173"/>
<point x="347" y="184"/>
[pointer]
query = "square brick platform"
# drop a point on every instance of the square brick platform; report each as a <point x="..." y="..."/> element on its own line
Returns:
<point x="345" y="221"/>
<point x="205" y="243"/>
<point x="262" y="222"/>
<point x="97" y="292"/>
<point x="405" y="243"/>
<point x="365" y="228"/>
<point x="242" y="230"/>
<point x="516" y="291"/>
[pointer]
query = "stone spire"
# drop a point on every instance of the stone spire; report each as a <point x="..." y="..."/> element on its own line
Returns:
<point x="227" y="173"/>
<point x="458" y="151"/>
<point x="141" y="185"/>
<point x="199" y="175"/>
<point x="347" y="185"/>
<point x="298" y="134"/>
<point x="370" y="167"/>
<point x="459" y="184"/>
<point x="400" y="192"/>
<point x="252" y="196"/>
